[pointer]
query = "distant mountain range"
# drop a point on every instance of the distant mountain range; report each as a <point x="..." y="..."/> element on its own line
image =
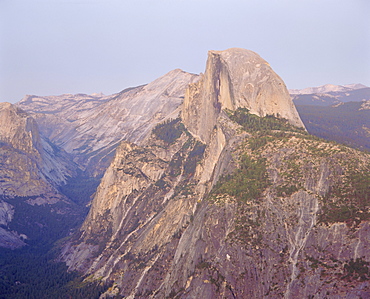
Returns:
<point x="348" y="123"/>
<point x="328" y="95"/>
<point x="327" y="88"/>
<point x="334" y="112"/>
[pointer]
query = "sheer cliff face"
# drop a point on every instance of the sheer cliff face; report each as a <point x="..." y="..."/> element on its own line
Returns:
<point x="235" y="78"/>
<point x="19" y="129"/>
<point x="29" y="165"/>
<point x="257" y="208"/>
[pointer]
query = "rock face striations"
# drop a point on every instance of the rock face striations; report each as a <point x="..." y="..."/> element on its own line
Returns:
<point x="235" y="78"/>
<point x="235" y="200"/>
<point x="91" y="127"/>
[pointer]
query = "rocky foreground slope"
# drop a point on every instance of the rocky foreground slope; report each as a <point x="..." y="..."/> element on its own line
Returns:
<point x="246" y="206"/>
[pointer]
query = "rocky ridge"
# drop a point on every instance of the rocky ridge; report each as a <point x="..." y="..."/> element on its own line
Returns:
<point x="247" y="206"/>
<point x="77" y="132"/>
<point x="91" y="127"/>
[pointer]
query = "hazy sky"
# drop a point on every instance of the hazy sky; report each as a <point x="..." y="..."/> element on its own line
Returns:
<point x="50" y="47"/>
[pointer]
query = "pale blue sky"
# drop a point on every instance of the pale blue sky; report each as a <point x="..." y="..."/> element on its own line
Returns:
<point x="50" y="47"/>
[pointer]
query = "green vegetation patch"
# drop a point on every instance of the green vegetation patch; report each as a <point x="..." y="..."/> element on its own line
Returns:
<point x="346" y="124"/>
<point x="259" y="141"/>
<point x="194" y="157"/>
<point x="43" y="224"/>
<point x="80" y="188"/>
<point x="254" y="123"/>
<point x="247" y="182"/>
<point x="32" y="273"/>
<point x="357" y="270"/>
<point x="352" y="200"/>
<point x="169" y="131"/>
<point x="248" y="227"/>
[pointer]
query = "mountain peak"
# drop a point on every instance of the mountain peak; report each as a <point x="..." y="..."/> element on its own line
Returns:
<point x="235" y="78"/>
<point x="236" y="53"/>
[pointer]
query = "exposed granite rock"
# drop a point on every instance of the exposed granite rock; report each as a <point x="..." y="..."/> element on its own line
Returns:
<point x="10" y="239"/>
<point x="365" y="105"/>
<point x="328" y="88"/>
<point x="19" y="129"/>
